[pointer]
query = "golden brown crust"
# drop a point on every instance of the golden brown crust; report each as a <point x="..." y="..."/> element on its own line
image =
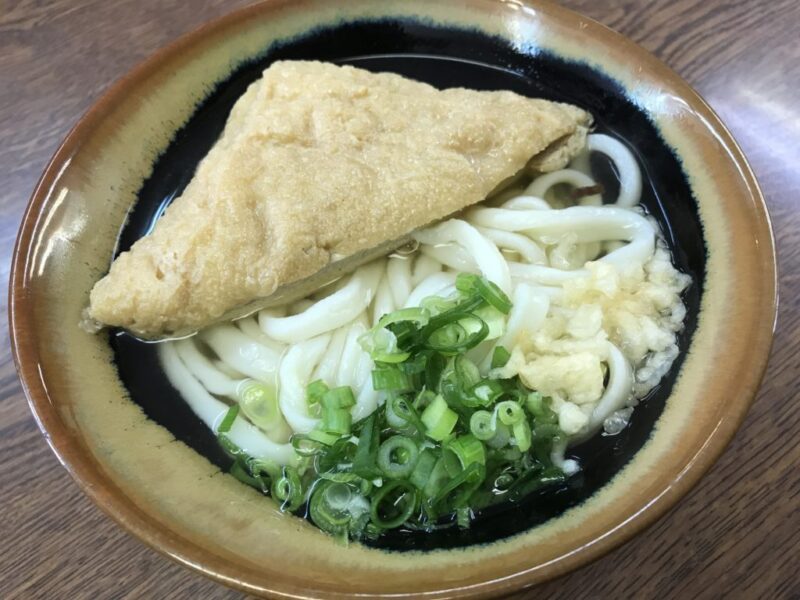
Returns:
<point x="317" y="166"/>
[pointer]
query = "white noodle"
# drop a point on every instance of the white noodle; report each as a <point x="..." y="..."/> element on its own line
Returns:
<point x="630" y="178"/>
<point x="618" y="390"/>
<point x="214" y="380"/>
<point x="431" y="286"/>
<point x="521" y="244"/>
<point x="483" y="251"/>
<point x="398" y="272"/>
<point x="527" y="203"/>
<point x="424" y="267"/>
<point x="242" y="353"/>
<point x="541" y="185"/>
<point x="296" y="367"/>
<point x="384" y="302"/>
<point x="330" y="313"/>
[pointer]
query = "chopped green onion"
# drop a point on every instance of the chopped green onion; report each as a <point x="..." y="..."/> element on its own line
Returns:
<point x="522" y="435"/>
<point x="438" y="419"/>
<point x="336" y="421"/>
<point x="260" y="466"/>
<point x="491" y="294"/>
<point x="465" y="282"/>
<point x="547" y="432"/>
<point x="532" y="480"/>
<point x="367" y="448"/>
<point x="438" y="477"/>
<point x="393" y="504"/>
<point x="315" y="390"/>
<point x="471" y="475"/>
<point x="228" y="419"/>
<point x="312" y="439"/>
<point x="288" y="490"/>
<point x="483" y="425"/>
<point x="446" y="332"/>
<point x="397" y="457"/>
<point x="382" y="343"/>
<point x="423" y="399"/>
<point x="405" y="410"/>
<point x="242" y="474"/>
<point x="466" y="371"/>
<point x="392" y="418"/>
<point x="434" y="366"/>
<point x="463" y="516"/>
<point x="500" y="357"/>
<point x="364" y="485"/>
<point x="486" y="392"/>
<point x="468" y="449"/>
<point x="509" y="412"/>
<point x="390" y="379"/>
<point x="418" y="316"/>
<point x="338" y="509"/>
<point x="259" y="403"/>
<point x="338" y="397"/>
<point x="501" y="436"/>
<point x="539" y="407"/>
<point x="228" y="445"/>
<point x="448" y="442"/>
<point x="437" y="305"/>
<point x="494" y="319"/>
<point x="423" y="469"/>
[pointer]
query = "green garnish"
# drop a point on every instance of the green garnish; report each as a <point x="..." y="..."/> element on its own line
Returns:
<point x="500" y="357"/>
<point x="447" y="442"/>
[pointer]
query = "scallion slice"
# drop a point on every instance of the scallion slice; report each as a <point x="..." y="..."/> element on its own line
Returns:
<point x="227" y="421"/>
<point x="288" y="490"/>
<point x="468" y="449"/>
<point x="468" y="283"/>
<point x="393" y="504"/>
<point x="446" y="333"/>
<point x="423" y="469"/>
<point x="259" y="402"/>
<point x="522" y="435"/>
<point x="315" y="390"/>
<point x="439" y="419"/>
<point x="500" y="357"/>
<point x="367" y="448"/>
<point x="338" y="397"/>
<point x="405" y="410"/>
<point x="338" y="509"/>
<point x="539" y="407"/>
<point x="509" y="412"/>
<point x="391" y="379"/>
<point x="397" y="457"/>
<point x="483" y="425"/>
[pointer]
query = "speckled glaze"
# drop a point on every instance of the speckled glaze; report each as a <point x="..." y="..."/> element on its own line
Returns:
<point x="176" y="499"/>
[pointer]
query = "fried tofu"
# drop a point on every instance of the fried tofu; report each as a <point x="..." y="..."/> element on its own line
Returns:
<point x="319" y="169"/>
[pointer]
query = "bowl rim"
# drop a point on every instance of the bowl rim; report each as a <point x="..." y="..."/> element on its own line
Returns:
<point x="104" y="493"/>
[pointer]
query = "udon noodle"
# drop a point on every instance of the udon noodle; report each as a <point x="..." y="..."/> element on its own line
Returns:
<point x="596" y="307"/>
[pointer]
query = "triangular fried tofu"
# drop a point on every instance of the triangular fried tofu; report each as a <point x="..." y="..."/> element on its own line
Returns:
<point x="319" y="169"/>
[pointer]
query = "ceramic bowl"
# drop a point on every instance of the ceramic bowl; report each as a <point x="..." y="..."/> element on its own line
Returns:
<point x="133" y="447"/>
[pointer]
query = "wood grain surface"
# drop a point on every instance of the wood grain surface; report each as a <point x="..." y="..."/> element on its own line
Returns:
<point x="737" y="535"/>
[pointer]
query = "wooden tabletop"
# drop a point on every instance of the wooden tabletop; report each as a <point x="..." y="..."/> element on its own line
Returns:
<point x="737" y="535"/>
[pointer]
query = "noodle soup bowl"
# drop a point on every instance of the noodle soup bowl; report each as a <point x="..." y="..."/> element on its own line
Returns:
<point x="139" y="452"/>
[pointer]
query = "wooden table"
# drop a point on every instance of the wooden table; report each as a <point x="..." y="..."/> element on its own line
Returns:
<point x="737" y="535"/>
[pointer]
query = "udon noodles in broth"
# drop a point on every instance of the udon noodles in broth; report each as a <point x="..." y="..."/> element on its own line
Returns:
<point x="541" y="316"/>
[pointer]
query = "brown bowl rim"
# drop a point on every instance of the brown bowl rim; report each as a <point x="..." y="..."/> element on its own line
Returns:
<point x="88" y="473"/>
